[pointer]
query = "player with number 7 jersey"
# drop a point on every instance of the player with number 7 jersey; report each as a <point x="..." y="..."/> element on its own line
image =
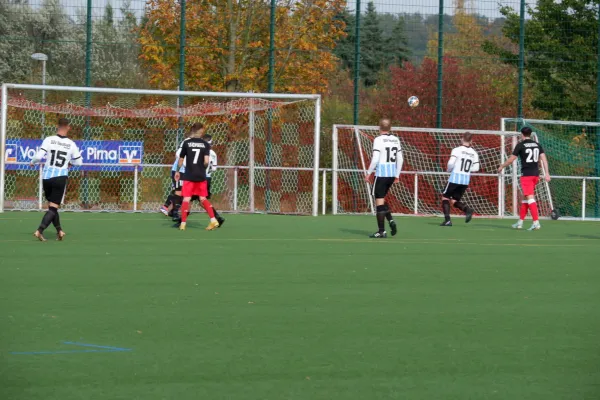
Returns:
<point x="195" y="152"/>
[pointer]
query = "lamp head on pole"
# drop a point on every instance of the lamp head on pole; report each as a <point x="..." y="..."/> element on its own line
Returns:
<point x="39" y="57"/>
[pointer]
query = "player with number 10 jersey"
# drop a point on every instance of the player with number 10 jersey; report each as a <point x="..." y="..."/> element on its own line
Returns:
<point x="463" y="160"/>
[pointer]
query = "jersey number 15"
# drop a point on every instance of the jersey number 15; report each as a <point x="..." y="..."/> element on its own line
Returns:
<point x="58" y="158"/>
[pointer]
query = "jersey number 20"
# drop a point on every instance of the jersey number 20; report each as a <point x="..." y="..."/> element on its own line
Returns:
<point x="533" y="155"/>
<point x="58" y="158"/>
<point x="391" y="153"/>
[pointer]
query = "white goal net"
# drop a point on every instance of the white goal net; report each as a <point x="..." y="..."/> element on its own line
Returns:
<point x="426" y="153"/>
<point x="267" y="145"/>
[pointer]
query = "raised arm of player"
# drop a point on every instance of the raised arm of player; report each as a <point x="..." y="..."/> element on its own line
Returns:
<point x="182" y="152"/>
<point x="475" y="166"/>
<point x="451" y="161"/>
<point x="213" y="161"/>
<point x="399" y="163"/>
<point x="76" y="159"/>
<point x="545" y="166"/>
<point x="41" y="153"/>
<point x="374" y="157"/>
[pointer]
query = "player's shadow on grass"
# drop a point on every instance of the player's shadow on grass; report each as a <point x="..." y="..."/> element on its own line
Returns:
<point x="356" y="232"/>
<point x="593" y="237"/>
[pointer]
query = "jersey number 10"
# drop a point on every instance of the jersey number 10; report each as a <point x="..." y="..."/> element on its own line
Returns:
<point x="391" y="152"/>
<point x="465" y="165"/>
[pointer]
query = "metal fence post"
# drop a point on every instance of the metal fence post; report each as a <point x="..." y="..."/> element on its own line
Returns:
<point x="356" y="63"/>
<point x="440" y="60"/>
<point x="521" y="60"/>
<point x="135" y="187"/>
<point x="597" y="166"/>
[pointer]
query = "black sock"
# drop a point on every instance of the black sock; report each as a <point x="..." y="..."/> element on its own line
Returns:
<point x="48" y="218"/>
<point x="460" y="206"/>
<point x="217" y="216"/>
<point x="446" y="209"/>
<point x="56" y="222"/>
<point x="381" y="212"/>
<point x="388" y="216"/>
<point x="169" y="200"/>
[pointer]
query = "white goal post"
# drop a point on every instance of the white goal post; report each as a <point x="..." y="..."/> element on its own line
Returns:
<point x="267" y="144"/>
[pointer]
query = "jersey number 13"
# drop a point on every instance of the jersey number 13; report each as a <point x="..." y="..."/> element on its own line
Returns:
<point x="391" y="153"/>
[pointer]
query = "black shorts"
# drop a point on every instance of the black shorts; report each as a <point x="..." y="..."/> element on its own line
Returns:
<point x="55" y="188"/>
<point x="176" y="185"/>
<point x="382" y="186"/>
<point x="454" y="191"/>
<point x="208" y="179"/>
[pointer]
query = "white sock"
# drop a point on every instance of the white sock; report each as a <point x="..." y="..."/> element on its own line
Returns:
<point x="213" y="220"/>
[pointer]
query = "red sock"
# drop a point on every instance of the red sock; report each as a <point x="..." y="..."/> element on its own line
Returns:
<point x="524" y="208"/>
<point x="534" y="210"/>
<point x="208" y="207"/>
<point x="185" y="210"/>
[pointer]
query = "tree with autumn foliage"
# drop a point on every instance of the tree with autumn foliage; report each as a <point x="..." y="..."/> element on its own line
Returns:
<point x="227" y="44"/>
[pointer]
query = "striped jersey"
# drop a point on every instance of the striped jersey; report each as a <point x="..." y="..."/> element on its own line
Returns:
<point x="177" y="153"/>
<point x="463" y="161"/>
<point x="59" y="152"/>
<point x="212" y="164"/>
<point x="387" y="156"/>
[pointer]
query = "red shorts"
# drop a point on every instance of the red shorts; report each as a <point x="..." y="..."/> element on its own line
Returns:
<point x="528" y="184"/>
<point x="190" y="189"/>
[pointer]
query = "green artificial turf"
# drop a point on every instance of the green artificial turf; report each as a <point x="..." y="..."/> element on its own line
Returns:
<point x="280" y="307"/>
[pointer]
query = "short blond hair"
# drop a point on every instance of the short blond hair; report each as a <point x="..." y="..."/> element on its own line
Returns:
<point x="385" y="124"/>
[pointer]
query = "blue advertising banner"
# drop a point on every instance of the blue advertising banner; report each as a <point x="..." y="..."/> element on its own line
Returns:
<point x="100" y="155"/>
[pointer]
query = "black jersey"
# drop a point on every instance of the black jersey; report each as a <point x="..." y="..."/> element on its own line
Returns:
<point x="194" y="151"/>
<point x="529" y="152"/>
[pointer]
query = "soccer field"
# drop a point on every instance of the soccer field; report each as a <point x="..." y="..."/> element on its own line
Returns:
<point x="279" y="307"/>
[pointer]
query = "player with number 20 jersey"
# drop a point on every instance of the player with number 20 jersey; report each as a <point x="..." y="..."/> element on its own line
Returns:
<point x="530" y="153"/>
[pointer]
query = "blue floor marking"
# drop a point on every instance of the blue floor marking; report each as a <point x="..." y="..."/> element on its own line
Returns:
<point x="96" y="349"/>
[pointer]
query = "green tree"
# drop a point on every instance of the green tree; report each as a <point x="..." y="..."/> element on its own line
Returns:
<point x="398" y="44"/>
<point x="373" y="55"/>
<point x="561" y="40"/>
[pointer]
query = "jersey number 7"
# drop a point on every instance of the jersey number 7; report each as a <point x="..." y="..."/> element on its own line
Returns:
<point x="196" y="155"/>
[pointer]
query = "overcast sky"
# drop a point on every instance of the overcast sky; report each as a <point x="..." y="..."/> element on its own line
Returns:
<point x="488" y="8"/>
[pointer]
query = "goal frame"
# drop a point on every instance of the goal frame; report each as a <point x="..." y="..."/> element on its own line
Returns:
<point x="315" y="98"/>
<point x="501" y="178"/>
<point x="584" y="179"/>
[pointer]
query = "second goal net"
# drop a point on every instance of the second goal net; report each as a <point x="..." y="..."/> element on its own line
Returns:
<point x="267" y="147"/>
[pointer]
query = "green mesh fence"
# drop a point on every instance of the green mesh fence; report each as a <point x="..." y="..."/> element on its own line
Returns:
<point x="572" y="149"/>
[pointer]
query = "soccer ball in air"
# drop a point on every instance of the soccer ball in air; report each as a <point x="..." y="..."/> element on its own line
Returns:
<point x="413" y="101"/>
